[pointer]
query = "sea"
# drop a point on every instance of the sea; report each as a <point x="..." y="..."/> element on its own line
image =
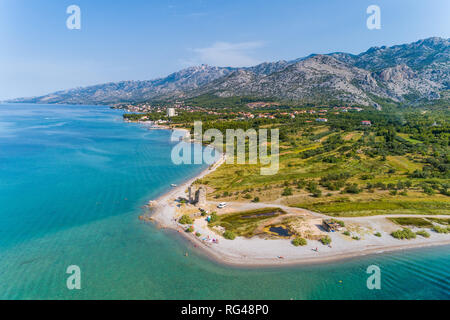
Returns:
<point x="74" y="181"/>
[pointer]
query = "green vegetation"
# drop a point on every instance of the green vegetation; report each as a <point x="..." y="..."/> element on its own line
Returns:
<point x="378" y="234"/>
<point x="186" y="219"/>
<point x="299" y="242"/>
<point x="444" y="221"/>
<point x="440" y="229"/>
<point x="405" y="233"/>
<point x="198" y="234"/>
<point x="287" y="192"/>
<point x="346" y="208"/>
<point x="414" y="222"/>
<point x="423" y="233"/>
<point x="190" y="229"/>
<point x="245" y="223"/>
<point x="325" y="240"/>
<point x="346" y="233"/>
<point x="213" y="101"/>
<point x="398" y="165"/>
<point x="229" y="235"/>
<point x="214" y="217"/>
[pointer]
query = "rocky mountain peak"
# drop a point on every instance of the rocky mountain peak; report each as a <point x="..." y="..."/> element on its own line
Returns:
<point x="420" y="69"/>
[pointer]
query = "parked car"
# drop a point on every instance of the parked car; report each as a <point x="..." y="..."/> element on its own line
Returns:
<point x="222" y="205"/>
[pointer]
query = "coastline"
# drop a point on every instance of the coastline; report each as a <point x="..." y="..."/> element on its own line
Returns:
<point x="258" y="252"/>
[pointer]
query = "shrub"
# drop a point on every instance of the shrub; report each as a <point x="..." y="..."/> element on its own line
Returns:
<point x="356" y="238"/>
<point x="325" y="240"/>
<point x="346" y="233"/>
<point x="423" y="233"/>
<point x="248" y="196"/>
<point x="185" y="219"/>
<point x="405" y="233"/>
<point x="301" y="184"/>
<point x="429" y="191"/>
<point x="312" y="187"/>
<point x="317" y="194"/>
<point x="256" y="199"/>
<point x="287" y="192"/>
<point x="190" y="229"/>
<point x="229" y="235"/>
<point x="377" y="235"/>
<point x="214" y="217"/>
<point x="198" y="234"/>
<point x="440" y="229"/>
<point x="353" y="188"/>
<point x="299" y="242"/>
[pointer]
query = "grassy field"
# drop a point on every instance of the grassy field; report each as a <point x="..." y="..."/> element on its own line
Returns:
<point x="377" y="179"/>
<point x="346" y="208"/>
<point x="413" y="222"/>
<point x="408" y="138"/>
<point x="245" y="223"/>
<point x="442" y="221"/>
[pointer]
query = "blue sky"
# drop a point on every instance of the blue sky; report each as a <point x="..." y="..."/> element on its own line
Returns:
<point x="138" y="40"/>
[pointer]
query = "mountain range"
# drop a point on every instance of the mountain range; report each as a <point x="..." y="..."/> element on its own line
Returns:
<point x="407" y="73"/>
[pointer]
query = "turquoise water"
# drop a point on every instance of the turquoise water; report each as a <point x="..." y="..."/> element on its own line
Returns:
<point x="72" y="184"/>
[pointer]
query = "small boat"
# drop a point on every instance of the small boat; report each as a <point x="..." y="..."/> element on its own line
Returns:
<point x="173" y="185"/>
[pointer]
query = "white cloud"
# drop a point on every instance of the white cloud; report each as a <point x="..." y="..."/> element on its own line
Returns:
<point x="226" y="54"/>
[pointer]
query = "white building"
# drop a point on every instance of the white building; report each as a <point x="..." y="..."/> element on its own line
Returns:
<point x="171" y="112"/>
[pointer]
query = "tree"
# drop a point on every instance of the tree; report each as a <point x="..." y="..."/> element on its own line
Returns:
<point x="229" y="235"/>
<point x="299" y="242"/>
<point x="287" y="192"/>
<point x="186" y="219"/>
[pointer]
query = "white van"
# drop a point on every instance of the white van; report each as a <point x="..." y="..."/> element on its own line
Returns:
<point x="222" y="205"/>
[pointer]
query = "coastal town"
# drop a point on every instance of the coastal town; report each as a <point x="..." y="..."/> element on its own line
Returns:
<point x="141" y="112"/>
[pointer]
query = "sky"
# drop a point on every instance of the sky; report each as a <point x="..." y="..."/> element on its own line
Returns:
<point x="146" y="39"/>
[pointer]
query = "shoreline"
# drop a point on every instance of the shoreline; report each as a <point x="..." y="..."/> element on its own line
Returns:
<point x="214" y="256"/>
<point x="258" y="252"/>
